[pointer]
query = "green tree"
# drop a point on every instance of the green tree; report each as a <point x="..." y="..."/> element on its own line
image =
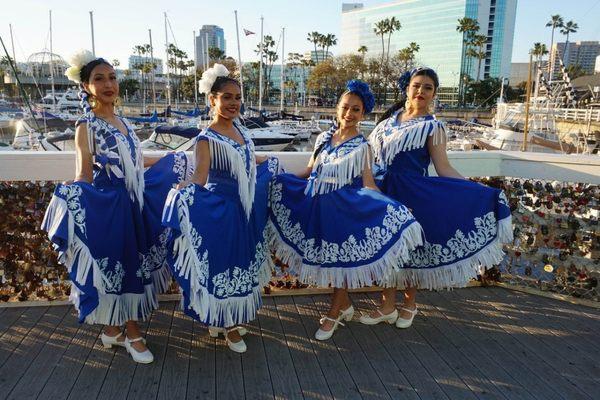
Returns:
<point x="567" y="29"/>
<point x="556" y="21"/>
<point x="129" y="86"/>
<point x="575" y="71"/>
<point x="214" y="53"/>
<point x="315" y="38"/>
<point x="539" y="51"/>
<point x="468" y="27"/>
<point x="329" y="40"/>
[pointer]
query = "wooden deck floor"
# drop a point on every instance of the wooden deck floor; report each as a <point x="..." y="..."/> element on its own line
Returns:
<point x="477" y="343"/>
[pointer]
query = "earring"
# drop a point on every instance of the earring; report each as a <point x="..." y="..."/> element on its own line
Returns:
<point x="92" y="101"/>
<point x="118" y="102"/>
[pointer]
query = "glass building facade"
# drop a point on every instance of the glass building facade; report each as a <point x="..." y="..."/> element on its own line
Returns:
<point x="432" y="25"/>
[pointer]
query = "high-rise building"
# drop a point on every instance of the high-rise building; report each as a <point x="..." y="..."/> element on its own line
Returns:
<point x="317" y="56"/>
<point x="214" y="36"/>
<point x="432" y="25"/>
<point x="576" y="53"/>
<point x="135" y="61"/>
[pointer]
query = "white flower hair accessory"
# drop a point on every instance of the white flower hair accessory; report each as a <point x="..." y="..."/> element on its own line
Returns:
<point x="210" y="76"/>
<point x="77" y="62"/>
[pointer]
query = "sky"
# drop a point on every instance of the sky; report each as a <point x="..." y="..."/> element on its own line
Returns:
<point x="121" y="24"/>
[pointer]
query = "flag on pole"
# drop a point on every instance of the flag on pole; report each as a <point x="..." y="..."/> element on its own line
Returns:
<point x="248" y="33"/>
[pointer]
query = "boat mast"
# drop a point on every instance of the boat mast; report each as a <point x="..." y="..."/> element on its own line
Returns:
<point x="12" y="42"/>
<point x="237" y="32"/>
<point x="260" y="67"/>
<point x="92" y="29"/>
<point x="168" y="86"/>
<point x="527" y="99"/>
<point x="52" y="66"/>
<point x="153" y="69"/>
<point x="195" y="72"/>
<point x="282" y="86"/>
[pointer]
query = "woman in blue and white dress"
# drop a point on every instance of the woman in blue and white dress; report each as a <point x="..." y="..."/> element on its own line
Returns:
<point x="336" y="228"/>
<point x="217" y="244"/>
<point x="105" y="224"/>
<point x="465" y="223"/>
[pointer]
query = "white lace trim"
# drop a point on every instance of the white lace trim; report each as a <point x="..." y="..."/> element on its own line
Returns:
<point x="334" y="171"/>
<point x="387" y="140"/>
<point x="225" y="156"/>
<point x="354" y="277"/>
<point x="116" y="309"/>
<point x="351" y="250"/>
<point x="456" y="274"/>
<point x="234" y="281"/>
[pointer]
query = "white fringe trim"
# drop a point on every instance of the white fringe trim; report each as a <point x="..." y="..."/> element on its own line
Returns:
<point x="387" y="146"/>
<point x="340" y="172"/>
<point x="223" y="156"/>
<point x="161" y="278"/>
<point x="458" y="274"/>
<point x="77" y="253"/>
<point x="355" y="277"/>
<point x="116" y="309"/>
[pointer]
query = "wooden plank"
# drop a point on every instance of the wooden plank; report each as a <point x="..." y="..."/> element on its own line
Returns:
<point x="306" y="365"/>
<point x="229" y="375"/>
<point x="340" y="382"/>
<point x="390" y="374"/>
<point x="147" y="377"/>
<point x="453" y="331"/>
<point x="14" y="327"/>
<point x="41" y="368"/>
<point x="550" y="295"/>
<point x="202" y="370"/>
<point x="175" y="371"/>
<point x="121" y="370"/>
<point x="530" y="358"/>
<point x="564" y="344"/>
<point x="427" y="326"/>
<point x="449" y="381"/>
<point x="572" y="318"/>
<point x="95" y="368"/>
<point x="71" y="364"/>
<point x="22" y="357"/>
<point x="509" y="320"/>
<point x="281" y="368"/>
<point x="368" y="383"/>
<point x="484" y="333"/>
<point x="255" y="367"/>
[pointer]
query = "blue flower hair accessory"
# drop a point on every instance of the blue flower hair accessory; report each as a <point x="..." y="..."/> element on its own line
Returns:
<point x="405" y="78"/>
<point x="362" y="90"/>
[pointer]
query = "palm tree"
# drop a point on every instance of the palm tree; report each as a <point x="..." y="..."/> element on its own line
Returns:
<point x="314" y="37"/>
<point x="566" y="29"/>
<point x="479" y="41"/>
<point x="393" y="25"/>
<point x="556" y="21"/>
<point x="468" y="27"/>
<point x="539" y="51"/>
<point x="381" y="28"/>
<point x="330" y="40"/>
<point x="363" y="50"/>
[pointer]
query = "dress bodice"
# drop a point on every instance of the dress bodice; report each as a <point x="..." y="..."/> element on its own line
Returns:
<point x="339" y="165"/>
<point x="401" y="147"/>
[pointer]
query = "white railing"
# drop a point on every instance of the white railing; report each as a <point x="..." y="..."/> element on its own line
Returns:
<point x="578" y="114"/>
<point x="59" y="166"/>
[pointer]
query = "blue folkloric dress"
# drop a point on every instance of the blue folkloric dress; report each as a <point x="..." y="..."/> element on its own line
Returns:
<point x="330" y="229"/>
<point x="217" y="243"/>
<point x="465" y="223"/>
<point x="108" y="233"/>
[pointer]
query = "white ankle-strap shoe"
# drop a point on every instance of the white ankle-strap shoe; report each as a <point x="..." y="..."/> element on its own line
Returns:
<point x="238" y="347"/>
<point x="348" y="313"/>
<point x="143" y="357"/>
<point x="406" y="323"/>
<point x="321" y="334"/>
<point x="110" y="341"/>
<point x="388" y="318"/>
<point x="215" y="331"/>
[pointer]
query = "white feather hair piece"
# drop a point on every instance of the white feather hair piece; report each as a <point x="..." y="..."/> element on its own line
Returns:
<point x="77" y="62"/>
<point x="210" y="76"/>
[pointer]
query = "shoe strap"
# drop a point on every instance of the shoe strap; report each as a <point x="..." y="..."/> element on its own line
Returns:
<point x="114" y="337"/>
<point x="413" y="312"/>
<point x="139" y="339"/>
<point x="235" y="328"/>
<point x="335" y="321"/>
